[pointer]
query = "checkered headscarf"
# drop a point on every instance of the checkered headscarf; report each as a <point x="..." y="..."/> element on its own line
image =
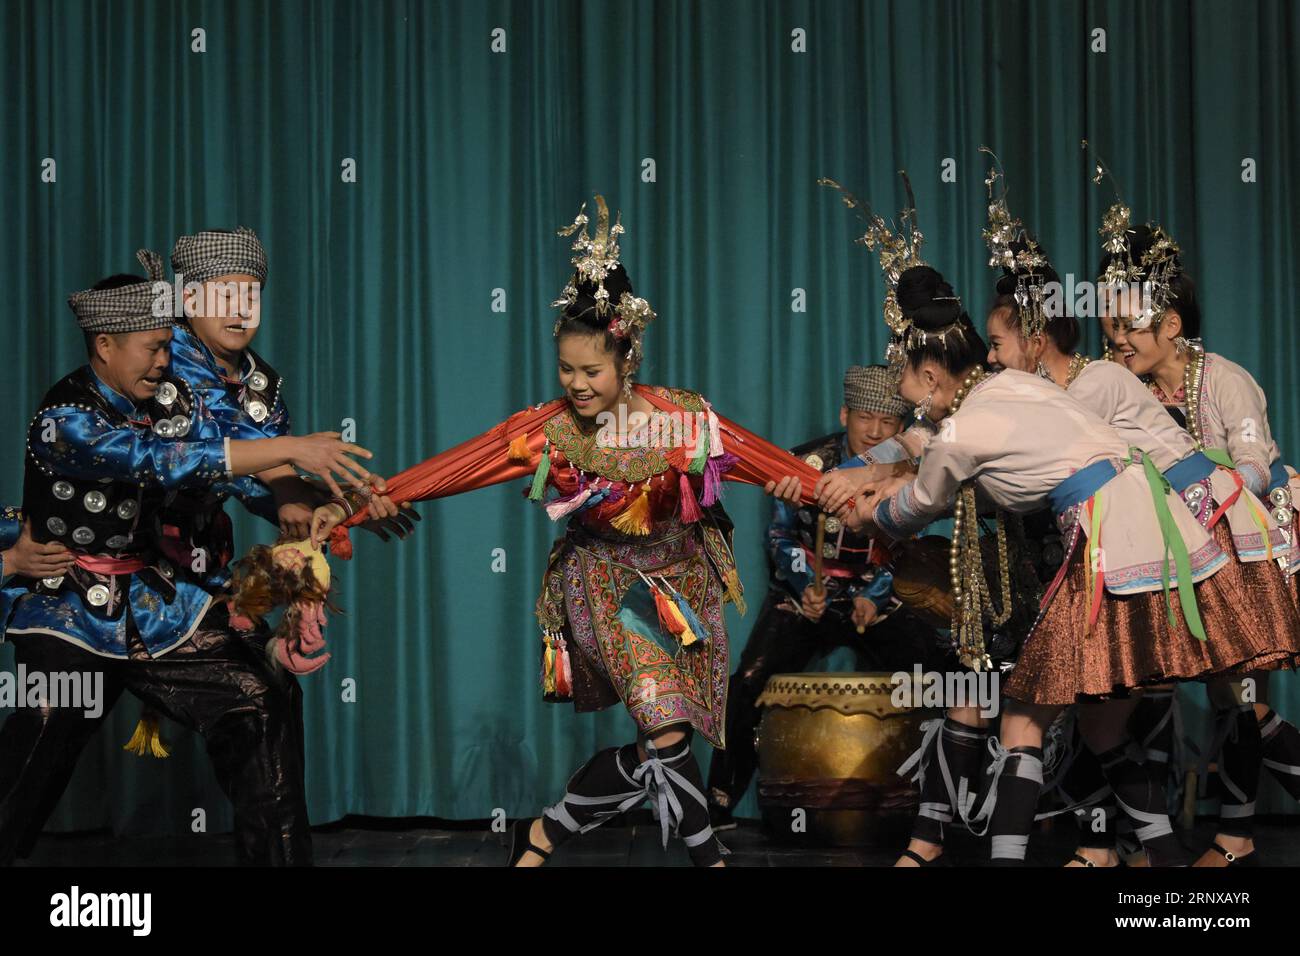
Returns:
<point x="211" y="253"/>
<point x="130" y="308"/>
<point x="872" y="388"/>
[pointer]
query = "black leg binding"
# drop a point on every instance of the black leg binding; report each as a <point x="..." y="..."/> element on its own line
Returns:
<point x="948" y="772"/>
<point x="1281" y="753"/>
<point x="1018" y="778"/>
<point x="599" y="790"/>
<point x="1240" y="762"/>
<point x="1139" y="790"/>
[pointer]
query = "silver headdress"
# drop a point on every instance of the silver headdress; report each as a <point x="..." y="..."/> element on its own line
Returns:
<point x="1156" y="268"/>
<point x="1013" y="249"/>
<point x="595" y="260"/>
<point x="899" y="249"/>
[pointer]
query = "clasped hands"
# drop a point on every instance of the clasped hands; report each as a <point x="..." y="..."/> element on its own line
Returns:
<point x="867" y="486"/>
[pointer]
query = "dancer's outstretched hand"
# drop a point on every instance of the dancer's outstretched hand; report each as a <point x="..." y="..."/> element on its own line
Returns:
<point x="325" y="454"/>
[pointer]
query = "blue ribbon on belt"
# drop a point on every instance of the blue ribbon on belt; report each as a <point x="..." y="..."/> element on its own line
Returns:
<point x="1081" y="485"/>
<point x="1277" y="475"/>
<point x="1195" y="467"/>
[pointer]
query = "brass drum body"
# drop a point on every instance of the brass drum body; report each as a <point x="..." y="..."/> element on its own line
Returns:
<point x="830" y="745"/>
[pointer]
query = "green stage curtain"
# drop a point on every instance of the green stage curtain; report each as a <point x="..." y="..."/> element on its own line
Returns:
<point x="414" y="302"/>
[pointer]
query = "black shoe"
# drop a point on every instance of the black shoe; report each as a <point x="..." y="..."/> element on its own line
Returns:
<point x="1250" y="859"/>
<point x="922" y="861"/>
<point x="521" y="842"/>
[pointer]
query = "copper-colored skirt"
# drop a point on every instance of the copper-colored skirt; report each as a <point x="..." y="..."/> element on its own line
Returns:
<point x="1250" y="619"/>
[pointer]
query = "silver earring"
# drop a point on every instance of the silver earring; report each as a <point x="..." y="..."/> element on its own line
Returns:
<point x="923" y="407"/>
<point x="1044" y="373"/>
<point x="1181" y="344"/>
<point x="627" y="387"/>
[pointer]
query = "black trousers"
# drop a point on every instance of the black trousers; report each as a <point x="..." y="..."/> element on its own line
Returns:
<point x="784" y="642"/>
<point x="217" y="684"/>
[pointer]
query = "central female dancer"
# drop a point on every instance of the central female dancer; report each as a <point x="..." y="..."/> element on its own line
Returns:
<point x="632" y="600"/>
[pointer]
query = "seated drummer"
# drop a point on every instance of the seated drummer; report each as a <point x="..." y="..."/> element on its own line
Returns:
<point x="857" y="610"/>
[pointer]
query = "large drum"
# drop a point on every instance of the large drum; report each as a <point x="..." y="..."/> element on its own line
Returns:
<point x="829" y="747"/>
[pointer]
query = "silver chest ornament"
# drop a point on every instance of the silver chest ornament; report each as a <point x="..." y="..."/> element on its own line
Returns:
<point x="118" y="541"/>
<point x="63" y="490"/>
<point x="127" y="509"/>
<point x="83" y="535"/>
<point x="57" y="526"/>
<point x="1280" y="499"/>
<point x="1195" y="498"/>
<point x="257" y="410"/>
<point x="164" y="428"/>
<point x="97" y="595"/>
<point x="95" y="502"/>
<point x="258" y="382"/>
<point x="166" y="394"/>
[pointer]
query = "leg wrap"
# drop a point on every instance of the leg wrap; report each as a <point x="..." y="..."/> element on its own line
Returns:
<point x="674" y="784"/>
<point x="1018" y="778"/>
<point x="1139" y="791"/>
<point x="600" y="789"/>
<point x="948" y="764"/>
<point x="613" y="782"/>
<point x="1155" y="726"/>
<point x="1240" y="762"/>
<point x="1084" y="791"/>
<point x="1281" y="742"/>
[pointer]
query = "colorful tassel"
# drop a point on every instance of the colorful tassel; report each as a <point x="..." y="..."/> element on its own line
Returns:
<point x="734" y="592"/>
<point x="686" y="494"/>
<point x="601" y="496"/>
<point x="561" y="507"/>
<point x="694" y="628"/>
<point x="563" y="670"/>
<point x="716" y="468"/>
<point x="674" y="624"/>
<point x="540" y="475"/>
<point x="693" y="621"/>
<point x="147" y="739"/>
<point x="519" y="450"/>
<point x="548" y="667"/>
<point x="635" y="518"/>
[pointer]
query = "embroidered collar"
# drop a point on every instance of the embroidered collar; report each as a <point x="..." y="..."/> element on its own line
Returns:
<point x="637" y="463"/>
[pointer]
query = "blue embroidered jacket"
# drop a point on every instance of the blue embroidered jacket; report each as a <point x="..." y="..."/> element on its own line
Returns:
<point x="849" y="567"/>
<point x="95" y="479"/>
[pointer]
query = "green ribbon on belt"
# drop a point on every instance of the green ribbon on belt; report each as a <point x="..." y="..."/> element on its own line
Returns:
<point x="1219" y="457"/>
<point x="1173" y="541"/>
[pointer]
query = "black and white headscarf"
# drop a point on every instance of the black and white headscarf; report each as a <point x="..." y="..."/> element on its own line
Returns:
<point x="139" y="307"/>
<point x="871" y="388"/>
<point x="219" y="252"/>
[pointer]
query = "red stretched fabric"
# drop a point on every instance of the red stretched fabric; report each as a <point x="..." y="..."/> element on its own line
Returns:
<point x="483" y="461"/>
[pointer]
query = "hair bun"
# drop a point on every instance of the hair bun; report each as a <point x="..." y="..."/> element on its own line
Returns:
<point x="584" y="306"/>
<point x="927" y="299"/>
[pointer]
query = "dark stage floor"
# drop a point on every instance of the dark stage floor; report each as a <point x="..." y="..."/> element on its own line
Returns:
<point x="369" y="842"/>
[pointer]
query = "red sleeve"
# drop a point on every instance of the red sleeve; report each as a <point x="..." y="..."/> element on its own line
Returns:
<point x="477" y="463"/>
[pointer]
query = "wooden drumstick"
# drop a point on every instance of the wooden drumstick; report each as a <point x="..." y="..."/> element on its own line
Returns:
<point x="818" y="584"/>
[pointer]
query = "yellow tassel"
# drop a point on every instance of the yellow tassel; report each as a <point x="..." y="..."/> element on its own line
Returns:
<point x="548" y="667"/>
<point x="519" y="450"/>
<point x="635" y="518"/>
<point x="734" y="591"/>
<point x="147" y="739"/>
